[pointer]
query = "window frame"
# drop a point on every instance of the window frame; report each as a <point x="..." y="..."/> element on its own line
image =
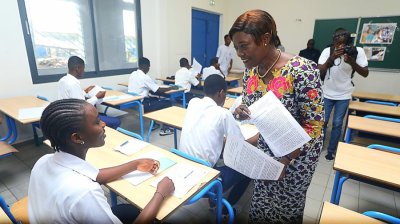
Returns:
<point x="38" y="79"/>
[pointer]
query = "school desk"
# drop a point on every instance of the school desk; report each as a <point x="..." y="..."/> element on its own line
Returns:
<point x="231" y="81"/>
<point x="376" y="96"/>
<point x="236" y="91"/>
<point x="11" y="106"/>
<point x="172" y="94"/>
<point x="333" y="214"/>
<point x="141" y="194"/>
<point x="229" y="102"/>
<point x="387" y="128"/>
<point x="374" y="108"/>
<point x="364" y="164"/>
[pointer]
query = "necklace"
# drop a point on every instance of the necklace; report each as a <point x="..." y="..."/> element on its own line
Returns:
<point x="273" y="64"/>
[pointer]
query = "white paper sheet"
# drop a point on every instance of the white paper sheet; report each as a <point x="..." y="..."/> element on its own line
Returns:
<point x="115" y="98"/>
<point x="94" y="91"/>
<point x="131" y="146"/>
<point x="30" y="113"/>
<point x="136" y="177"/>
<point x="278" y="127"/>
<point x="250" y="161"/>
<point x="196" y="66"/>
<point x="184" y="176"/>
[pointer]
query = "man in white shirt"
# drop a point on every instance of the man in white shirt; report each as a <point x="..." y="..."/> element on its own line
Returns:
<point x="213" y="69"/>
<point x="70" y="87"/>
<point x="204" y="128"/>
<point x="337" y="65"/>
<point x="225" y="56"/>
<point x="140" y="83"/>
<point x="185" y="78"/>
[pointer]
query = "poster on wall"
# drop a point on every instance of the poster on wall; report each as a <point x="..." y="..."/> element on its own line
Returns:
<point x="378" y="33"/>
<point x="375" y="53"/>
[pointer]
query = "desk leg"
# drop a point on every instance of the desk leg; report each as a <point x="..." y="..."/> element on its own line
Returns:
<point x="175" y="139"/>
<point x="339" y="189"/>
<point x="9" y="129"/>
<point x="140" y="108"/>
<point x="150" y="129"/>
<point x="348" y="135"/>
<point x="335" y="186"/>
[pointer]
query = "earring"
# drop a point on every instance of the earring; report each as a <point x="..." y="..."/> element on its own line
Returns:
<point x="83" y="142"/>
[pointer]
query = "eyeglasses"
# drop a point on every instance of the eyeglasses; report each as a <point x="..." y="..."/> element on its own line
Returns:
<point x="339" y="35"/>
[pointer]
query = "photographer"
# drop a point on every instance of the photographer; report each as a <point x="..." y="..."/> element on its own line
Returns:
<point x="337" y="65"/>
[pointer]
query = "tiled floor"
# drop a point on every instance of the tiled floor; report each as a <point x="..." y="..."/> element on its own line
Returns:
<point x="15" y="173"/>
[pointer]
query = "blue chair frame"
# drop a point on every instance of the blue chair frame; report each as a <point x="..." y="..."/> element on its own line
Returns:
<point x="381" y="102"/>
<point x="382" y="216"/>
<point x="7" y="210"/>
<point x="213" y="190"/>
<point x="340" y="178"/>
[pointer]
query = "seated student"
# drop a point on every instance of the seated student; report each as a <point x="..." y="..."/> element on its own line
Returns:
<point x="142" y="84"/>
<point x="184" y="77"/>
<point x="64" y="188"/>
<point x="205" y="125"/>
<point x="213" y="69"/>
<point x="70" y="87"/>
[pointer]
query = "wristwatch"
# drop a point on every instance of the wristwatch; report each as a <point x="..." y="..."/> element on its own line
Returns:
<point x="291" y="160"/>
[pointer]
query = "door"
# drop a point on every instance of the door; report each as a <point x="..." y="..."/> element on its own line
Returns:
<point x="205" y="30"/>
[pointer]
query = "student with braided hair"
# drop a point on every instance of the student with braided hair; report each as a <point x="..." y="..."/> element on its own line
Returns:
<point x="64" y="188"/>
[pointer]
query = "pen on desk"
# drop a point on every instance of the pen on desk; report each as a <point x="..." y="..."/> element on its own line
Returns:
<point x="124" y="143"/>
<point x="188" y="174"/>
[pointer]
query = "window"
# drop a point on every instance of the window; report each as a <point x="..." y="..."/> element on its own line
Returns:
<point x="105" y="33"/>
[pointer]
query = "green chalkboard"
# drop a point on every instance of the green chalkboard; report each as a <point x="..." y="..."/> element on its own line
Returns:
<point x="324" y="29"/>
<point x="374" y="47"/>
<point x="383" y="46"/>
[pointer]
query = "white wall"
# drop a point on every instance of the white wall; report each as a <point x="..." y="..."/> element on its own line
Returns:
<point x="166" y="32"/>
<point x="295" y="24"/>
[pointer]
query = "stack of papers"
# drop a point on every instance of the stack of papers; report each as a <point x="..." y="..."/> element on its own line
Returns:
<point x="131" y="146"/>
<point x="30" y="113"/>
<point x="185" y="177"/>
<point x="94" y="91"/>
<point x="136" y="177"/>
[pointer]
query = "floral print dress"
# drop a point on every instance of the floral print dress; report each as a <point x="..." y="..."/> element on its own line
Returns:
<point x="298" y="86"/>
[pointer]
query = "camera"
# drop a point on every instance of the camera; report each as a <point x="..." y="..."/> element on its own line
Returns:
<point x="351" y="51"/>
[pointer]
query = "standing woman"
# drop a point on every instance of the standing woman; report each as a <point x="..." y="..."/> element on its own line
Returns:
<point x="295" y="81"/>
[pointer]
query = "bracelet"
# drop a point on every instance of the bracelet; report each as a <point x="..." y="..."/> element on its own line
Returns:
<point x="163" y="196"/>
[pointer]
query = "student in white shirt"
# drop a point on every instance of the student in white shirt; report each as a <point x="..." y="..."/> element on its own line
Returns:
<point x="140" y="83"/>
<point x="213" y="69"/>
<point x="70" y="87"/>
<point x="225" y="56"/>
<point x="204" y="128"/>
<point x="185" y="78"/>
<point x="64" y="188"/>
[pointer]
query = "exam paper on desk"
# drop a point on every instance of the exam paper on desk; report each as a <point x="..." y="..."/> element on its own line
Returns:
<point x="277" y="126"/>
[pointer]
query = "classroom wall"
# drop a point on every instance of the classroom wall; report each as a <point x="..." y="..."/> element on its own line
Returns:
<point x="295" y="26"/>
<point x="166" y="32"/>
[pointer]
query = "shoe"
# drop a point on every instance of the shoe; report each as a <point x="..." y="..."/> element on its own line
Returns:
<point x="155" y="126"/>
<point x="168" y="131"/>
<point x="329" y="157"/>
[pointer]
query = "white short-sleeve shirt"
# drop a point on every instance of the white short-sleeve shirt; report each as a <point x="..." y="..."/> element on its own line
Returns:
<point x="141" y="83"/>
<point x="225" y="55"/>
<point x="185" y="78"/>
<point x="204" y="128"/>
<point x="69" y="87"/>
<point x="211" y="71"/>
<point x="337" y="83"/>
<point x="63" y="189"/>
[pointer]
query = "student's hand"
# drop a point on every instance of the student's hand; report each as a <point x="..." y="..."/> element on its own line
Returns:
<point x="242" y="112"/>
<point x="349" y="60"/>
<point x="88" y="89"/>
<point x="198" y="76"/>
<point x="101" y="94"/>
<point x="148" y="165"/>
<point x="339" y="51"/>
<point x="166" y="187"/>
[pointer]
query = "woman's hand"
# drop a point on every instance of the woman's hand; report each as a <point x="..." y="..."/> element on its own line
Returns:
<point x="165" y="187"/>
<point x="148" y="165"/>
<point x="242" y="112"/>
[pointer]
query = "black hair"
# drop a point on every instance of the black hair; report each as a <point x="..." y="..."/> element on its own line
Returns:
<point x="144" y="62"/>
<point x="74" y="61"/>
<point x="256" y="23"/>
<point x="60" y="119"/>
<point x="227" y="35"/>
<point x="213" y="61"/>
<point x="183" y="62"/>
<point x="213" y="84"/>
<point x="346" y="33"/>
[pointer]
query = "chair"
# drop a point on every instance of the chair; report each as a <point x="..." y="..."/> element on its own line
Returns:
<point x="384" y="148"/>
<point x="383" y="217"/>
<point x="213" y="190"/>
<point x="36" y="125"/>
<point x="18" y="213"/>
